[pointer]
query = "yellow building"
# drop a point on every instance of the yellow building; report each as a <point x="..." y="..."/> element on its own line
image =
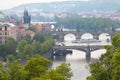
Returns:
<point x="7" y="30"/>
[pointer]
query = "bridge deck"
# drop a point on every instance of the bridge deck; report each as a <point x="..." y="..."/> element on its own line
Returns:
<point x="76" y="47"/>
<point x="83" y="47"/>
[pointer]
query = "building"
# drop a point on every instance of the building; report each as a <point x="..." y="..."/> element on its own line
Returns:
<point x="29" y="32"/>
<point x="21" y="29"/>
<point x="38" y="27"/>
<point x="46" y="27"/>
<point x="26" y="17"/>
<point x="43" y="26"/>
<point x="7" y="30"/>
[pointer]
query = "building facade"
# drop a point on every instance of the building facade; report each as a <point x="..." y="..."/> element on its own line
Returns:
<point x="26" y="17"/>
<point x="7" y="30"/>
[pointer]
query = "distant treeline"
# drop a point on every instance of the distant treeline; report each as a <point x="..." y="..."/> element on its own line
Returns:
<point x="87" y="23"/>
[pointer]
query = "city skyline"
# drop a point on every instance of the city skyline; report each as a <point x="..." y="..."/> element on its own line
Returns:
<point x="6" y="4"/>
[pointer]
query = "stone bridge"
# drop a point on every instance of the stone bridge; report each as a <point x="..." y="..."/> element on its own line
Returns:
<point x="81" y="48"/>
<point x="59" y="35"/>
<point x="85" y="47"/>
<point x="64" y="50"/>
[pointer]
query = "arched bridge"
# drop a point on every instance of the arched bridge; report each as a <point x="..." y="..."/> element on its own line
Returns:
<point x="86" y="47"/>
<point x="81" y="48"/>
<point x="60" y="35"/>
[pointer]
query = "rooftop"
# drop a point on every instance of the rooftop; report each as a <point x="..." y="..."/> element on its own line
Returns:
<point x="8" y="24"/>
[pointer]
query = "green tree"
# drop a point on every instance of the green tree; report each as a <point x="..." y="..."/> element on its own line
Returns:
<point x="27" y="38"/>
<point x="47" y="45"/>
<point x="37" y="47"/>
<point x="108" y="66"/>
<point x="98" y="71"/>
<point x="77" y="22"/>
<point x="10" y="46"/>
<point x="13" y="72"/>
<point x="65" y="70"/>
<point x="3" y="53"/>
<point x="116" y="40"/>
<point x="16" y="71"/>
<point x="51" y="75"/>
<point x="10" y="58"/>
<point x="28" y="50"/>
<point x="36" y="67"/>
<point x="4" y="75"/>
<point x="21" y="44"/>
<point x="38" y="37"/>
<point x="115" y="61"/>
<point x="62" y="72"/>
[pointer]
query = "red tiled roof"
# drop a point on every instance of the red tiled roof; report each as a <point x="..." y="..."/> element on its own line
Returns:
<point x="28" y="32"/>
<point x="21" y="26"/>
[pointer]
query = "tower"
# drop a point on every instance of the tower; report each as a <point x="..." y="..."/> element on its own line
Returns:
<point x="26" y="17"/>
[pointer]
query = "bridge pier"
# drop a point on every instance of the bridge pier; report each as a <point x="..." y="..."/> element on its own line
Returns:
<point x="88" y="53"/>
<point x="58" y="52"/>
<point x="88" y="56"/>
<point x="58" y="55"/>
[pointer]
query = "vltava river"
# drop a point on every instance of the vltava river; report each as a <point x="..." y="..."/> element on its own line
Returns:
<point x="78" y="63"/>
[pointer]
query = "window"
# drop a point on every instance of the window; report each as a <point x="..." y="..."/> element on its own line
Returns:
<point x="5" y="28"/>
<point x="5" y="33"/>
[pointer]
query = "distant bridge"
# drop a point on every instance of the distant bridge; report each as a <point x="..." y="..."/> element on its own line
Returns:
<point x="59" y="35"/>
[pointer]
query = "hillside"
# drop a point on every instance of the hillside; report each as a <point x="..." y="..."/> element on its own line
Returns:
<point x="72" y="6"/>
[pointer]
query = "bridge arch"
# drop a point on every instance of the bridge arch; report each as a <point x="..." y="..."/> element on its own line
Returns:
<point x="69" y="37"/>
<point x="87" y="36"/>
<point x="105" y="37"/>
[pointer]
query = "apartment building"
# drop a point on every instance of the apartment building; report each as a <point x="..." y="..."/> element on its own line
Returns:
<point x="7" y="30"/>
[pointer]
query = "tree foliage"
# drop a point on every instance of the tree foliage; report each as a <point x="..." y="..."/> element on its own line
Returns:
<point x="37" y="47"/>
<point x="20" y="67"/>
<point x="8" y="48"/>
<point x="116" y="40"/>
<point x="38" y="37"/>
<point x="13" y="71"/>
<point x="108" y="66"/>
<point x="28" y="38"/>
<point x="64" y="70"/>
<point x="40" y="44"/>
<point x="21" y="45"/>
<point x="79" y="23"/>
<point x="36" y="68"/>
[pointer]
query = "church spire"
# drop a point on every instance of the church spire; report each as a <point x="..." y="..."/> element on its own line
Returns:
<point x="26" y="17"/>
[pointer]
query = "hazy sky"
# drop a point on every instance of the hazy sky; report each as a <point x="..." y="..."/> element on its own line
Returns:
<point x="6" y="4"/>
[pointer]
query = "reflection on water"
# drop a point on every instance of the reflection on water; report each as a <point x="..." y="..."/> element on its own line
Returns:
<point x="78" y="63"/>
<point x="59" y="58"/>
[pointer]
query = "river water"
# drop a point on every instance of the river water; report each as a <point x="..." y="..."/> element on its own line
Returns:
<point x="78" y="63"/>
